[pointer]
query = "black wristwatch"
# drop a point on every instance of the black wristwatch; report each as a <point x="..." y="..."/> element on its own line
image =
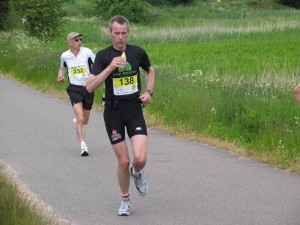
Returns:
<point x="150" y="92"/>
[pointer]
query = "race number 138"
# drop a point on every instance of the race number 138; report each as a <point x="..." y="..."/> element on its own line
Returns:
<point x="124" y="81"/>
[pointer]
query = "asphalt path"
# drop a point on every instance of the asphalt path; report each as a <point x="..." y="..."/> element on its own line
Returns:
<point x="189" y="183"/>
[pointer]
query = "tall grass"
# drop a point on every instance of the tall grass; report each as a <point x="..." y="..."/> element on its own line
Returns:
<point x="17" y="209"/>
<point x="239" y="89"/>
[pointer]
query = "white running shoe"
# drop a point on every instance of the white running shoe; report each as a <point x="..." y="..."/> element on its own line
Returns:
<point x="75" y="122"/>
<point x="125" y="207"/>
<point x="140" y="182"/>
<point x="84" y="150"/>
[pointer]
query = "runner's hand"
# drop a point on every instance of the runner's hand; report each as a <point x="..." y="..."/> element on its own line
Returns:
<point x="119" y="62"/>
<point x="145" y="98"/>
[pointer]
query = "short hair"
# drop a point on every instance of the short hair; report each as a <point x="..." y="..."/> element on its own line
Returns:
<point x="119" y="19"/>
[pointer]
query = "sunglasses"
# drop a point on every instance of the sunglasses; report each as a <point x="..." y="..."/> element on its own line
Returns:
<point x="78" y="39"/>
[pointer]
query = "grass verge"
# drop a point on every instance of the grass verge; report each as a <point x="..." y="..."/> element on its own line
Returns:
<point x="19" y="206"/>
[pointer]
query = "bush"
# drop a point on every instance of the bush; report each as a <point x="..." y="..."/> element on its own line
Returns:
<point x="134" y="10"/>
<point x="80" y="8"/>
<point x="178" y="2"/>
<point x="291" y="3"/>
<point x="41" y="18"/>
<point x="170" y="2"/>
<point x="3" y="14"/>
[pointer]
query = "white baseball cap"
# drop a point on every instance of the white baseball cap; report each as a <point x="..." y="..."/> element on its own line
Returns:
<point x="73" y="35"/>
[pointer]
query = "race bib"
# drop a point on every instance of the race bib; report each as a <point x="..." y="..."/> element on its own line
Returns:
<point x="125" y="85"/>
<point x="78" y="70"/>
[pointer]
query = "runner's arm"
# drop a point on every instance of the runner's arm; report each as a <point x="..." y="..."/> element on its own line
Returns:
<point x="146" y="97"/>
<point x="61" y="75"/>
<point x="96" y="81"/>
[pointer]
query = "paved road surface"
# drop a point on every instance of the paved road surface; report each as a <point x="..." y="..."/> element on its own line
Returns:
<point x="189" y="183"/>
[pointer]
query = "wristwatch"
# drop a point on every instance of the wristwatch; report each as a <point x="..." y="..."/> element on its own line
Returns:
<point x="150" y="92"/>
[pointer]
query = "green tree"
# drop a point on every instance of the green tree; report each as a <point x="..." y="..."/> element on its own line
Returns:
<point x="41" y="18"/>
<point x="134" y="10"/>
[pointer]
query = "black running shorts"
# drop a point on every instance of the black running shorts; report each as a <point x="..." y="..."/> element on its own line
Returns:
<point x="80" y="94"/>
<point x="121" y="114"/>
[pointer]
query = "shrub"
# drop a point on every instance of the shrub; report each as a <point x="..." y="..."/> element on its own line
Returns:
<point x="178" y="2"/>
<point x="41" y="18"/>
<point x="170" y="2"/>
<point x="134" y="10"/>
<point x="291" y="3"/>
<point x="4" y="10"/>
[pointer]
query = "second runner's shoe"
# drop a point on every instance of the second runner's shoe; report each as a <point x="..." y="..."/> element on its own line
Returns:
<point x="84" y="150"/>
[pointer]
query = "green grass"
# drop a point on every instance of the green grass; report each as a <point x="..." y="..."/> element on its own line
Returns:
<point x="16" y="209"/>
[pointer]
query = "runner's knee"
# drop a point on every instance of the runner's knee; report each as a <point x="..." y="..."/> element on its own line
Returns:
<point x="124" y="164"/>
<point x="140" y="162"/>
<point x="80" y="120"/>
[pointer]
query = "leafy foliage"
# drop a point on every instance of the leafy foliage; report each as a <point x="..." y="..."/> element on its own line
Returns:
<point x="41" y="18"/>
<point x="134" y="10"/>
<point x="170" y="2"/>
<point x="291" y="3"/>
<point x="177" y="2"/>
<point x="3" y="13"/>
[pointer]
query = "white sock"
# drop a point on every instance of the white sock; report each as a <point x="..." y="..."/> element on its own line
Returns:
<point x="82" y="143"/>
<point x="135" y="173"/>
